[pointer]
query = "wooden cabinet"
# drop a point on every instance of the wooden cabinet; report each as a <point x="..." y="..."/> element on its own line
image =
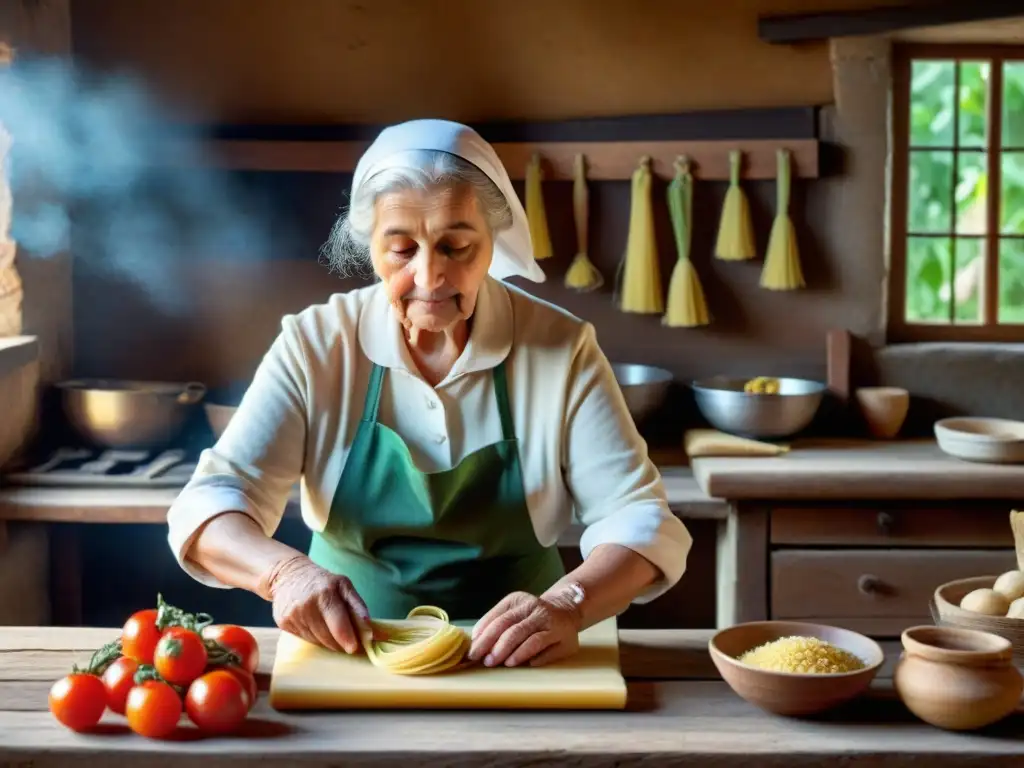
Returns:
<point x="877" y="592"/>
<point x="873" y="567"/>
<point x="888" y="526"/>
<point x="24" y="576"/>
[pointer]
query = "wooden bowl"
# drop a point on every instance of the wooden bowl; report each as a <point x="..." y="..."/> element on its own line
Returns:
<point x="789" y="693"/>
<point x="946" y="611"/>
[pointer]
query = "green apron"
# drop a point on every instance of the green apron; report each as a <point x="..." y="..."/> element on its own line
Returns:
<point x="460" y="539"/>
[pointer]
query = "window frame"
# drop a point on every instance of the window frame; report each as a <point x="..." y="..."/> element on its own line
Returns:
<point x="988" y="329"/>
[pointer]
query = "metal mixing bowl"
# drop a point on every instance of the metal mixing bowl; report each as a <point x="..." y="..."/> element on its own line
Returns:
<point x="723" y="402"/>
<point x="129" y="414"/>
<point x="644" y="387"/>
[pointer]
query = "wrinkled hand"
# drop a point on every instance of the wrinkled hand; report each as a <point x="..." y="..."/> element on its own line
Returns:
<point x="524" y="629"/>
<point x="317" y="605"/>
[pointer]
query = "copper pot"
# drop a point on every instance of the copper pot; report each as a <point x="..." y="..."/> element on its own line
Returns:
<point x="118" y="413"/>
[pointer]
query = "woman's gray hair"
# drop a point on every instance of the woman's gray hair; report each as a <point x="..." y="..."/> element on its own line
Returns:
<point x="347" y="249"/>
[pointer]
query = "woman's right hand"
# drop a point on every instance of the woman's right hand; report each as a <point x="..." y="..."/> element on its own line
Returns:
<point x="317" y="605"/>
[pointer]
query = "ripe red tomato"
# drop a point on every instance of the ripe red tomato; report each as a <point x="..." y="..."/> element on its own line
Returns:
<point x="248" y="681"/>
<point x="217" y="702"/>
<point x="237" y="639"/>
<point x="78" y="701"/>
<point x="180" y="656"/>
<point x="140" y="636"/>
<point x="153" y="709"/>
<point x="118" y="679"/>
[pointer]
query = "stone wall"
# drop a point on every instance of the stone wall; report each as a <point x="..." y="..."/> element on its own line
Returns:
<point x="10" y="281"/>
<point x="34" y="300"/>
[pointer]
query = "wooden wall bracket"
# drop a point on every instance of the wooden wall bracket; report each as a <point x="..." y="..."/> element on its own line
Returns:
<point x="606" y="160"/>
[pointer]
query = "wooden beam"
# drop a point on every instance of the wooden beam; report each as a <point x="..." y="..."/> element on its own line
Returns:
<point x="837" y="351"/>
<point x="741" y="566"/>
<point x="606" y="160"/>
<point x="806" y="27"/>
<point x="694" y="125"/>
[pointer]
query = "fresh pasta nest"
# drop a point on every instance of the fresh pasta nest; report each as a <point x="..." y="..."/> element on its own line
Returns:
<point x="429" y="645"/>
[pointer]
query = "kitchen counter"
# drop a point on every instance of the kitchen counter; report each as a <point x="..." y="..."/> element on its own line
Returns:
<point x="144" y="505"/>
<point x="857" y="469"/>
<point x="16" y="351"/>
<point x="679" y="714"/>
<point x="736" y="492"/>
<point x="64" y="511"/>
<point x="812" y="470"/>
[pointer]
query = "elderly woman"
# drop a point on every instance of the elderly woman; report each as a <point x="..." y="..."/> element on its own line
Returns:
<point x="444" y="425"/>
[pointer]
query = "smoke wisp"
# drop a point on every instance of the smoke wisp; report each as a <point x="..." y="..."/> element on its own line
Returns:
<point x="100" y="168"/>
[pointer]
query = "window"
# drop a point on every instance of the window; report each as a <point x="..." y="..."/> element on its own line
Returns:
<point x="957" y="230"/>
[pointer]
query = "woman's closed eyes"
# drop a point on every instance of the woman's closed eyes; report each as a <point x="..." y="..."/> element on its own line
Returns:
<point x="450" y="250"/>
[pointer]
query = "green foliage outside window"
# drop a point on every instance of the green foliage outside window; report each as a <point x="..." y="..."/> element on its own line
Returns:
<point x="948" y="188"/>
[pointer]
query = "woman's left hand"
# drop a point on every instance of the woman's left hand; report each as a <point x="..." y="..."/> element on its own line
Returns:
<point x="524" y="628"/>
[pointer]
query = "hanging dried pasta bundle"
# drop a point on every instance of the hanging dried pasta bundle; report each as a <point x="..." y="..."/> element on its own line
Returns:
<point x="782" y="271"/>
<point x="582" y="275"/>
<point x="735" y="231"/>
<point x="640" y="288"/>
<point x="686" y="305"/>
<point x="535" y="214"/>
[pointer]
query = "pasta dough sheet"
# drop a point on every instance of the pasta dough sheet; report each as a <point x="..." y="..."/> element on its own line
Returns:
<point x="711" y="442"/>
<point x="306" y="676"/>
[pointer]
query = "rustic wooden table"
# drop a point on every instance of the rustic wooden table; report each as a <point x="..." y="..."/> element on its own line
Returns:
<point x="680" y="714"/>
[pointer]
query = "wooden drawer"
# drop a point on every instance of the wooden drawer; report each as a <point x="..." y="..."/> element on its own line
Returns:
<point x="879" y="593"/>
<point x="982" y="526"/>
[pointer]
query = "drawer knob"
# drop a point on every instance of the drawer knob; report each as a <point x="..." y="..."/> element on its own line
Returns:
<point x="884" y="523"/>
<point x="870" y="585"/>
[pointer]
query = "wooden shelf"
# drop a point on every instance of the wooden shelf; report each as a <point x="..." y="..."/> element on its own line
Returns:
<point x="806" y="27"/>
<point x="606" y="160"/>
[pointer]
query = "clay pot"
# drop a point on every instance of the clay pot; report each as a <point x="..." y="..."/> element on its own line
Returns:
<point x="957" y="679"/>
<point x="884" y="409"/>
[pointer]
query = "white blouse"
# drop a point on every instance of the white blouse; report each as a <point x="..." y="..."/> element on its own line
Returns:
<point x="579" y="448"/>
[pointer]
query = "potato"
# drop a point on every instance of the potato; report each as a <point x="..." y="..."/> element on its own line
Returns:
<point x="1010" y="585"/>
<point x="985" y="601"/>
<point x="1016" y="610"/>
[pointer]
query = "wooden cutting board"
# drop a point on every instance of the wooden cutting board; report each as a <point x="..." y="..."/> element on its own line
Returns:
<point x="306" y="676"/>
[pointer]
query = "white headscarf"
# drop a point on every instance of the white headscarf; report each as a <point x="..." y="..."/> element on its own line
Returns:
<point x="513" y="249"/>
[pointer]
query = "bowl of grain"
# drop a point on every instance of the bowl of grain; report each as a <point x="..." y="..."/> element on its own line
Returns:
<point x="794" y="668"/>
